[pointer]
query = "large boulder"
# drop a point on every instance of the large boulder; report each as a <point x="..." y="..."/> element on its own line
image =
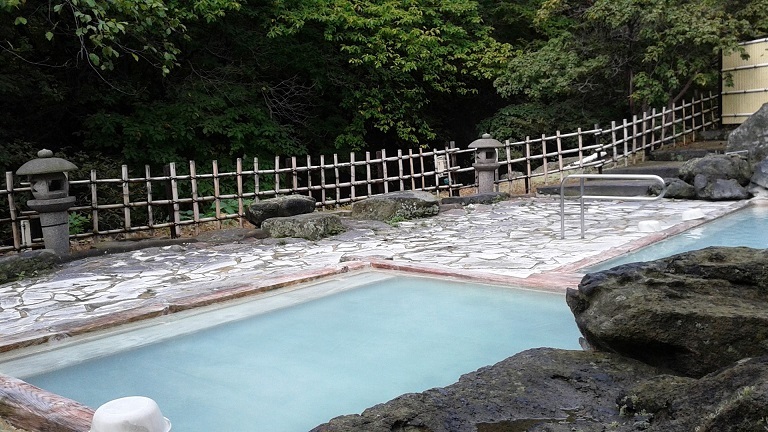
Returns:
<point x="281" y="206"/>
<point x="536" y="390"/>
<point x="310" y="226"/>
<point x="676" y="188"/>
<point x="730" y="400"/>
<point x="716" y="177"/>
<point x="714" y="166"/>
<point x="760" y="174"/>
<point x="751" y="136"/>
<point x="719" y="189"/>
<point x="691" y="313"/>
<point x="396" y="206"/>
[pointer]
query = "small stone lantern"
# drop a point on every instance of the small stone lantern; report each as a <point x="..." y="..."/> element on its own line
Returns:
<point x="486" y="162"/>
<point x="50" y="187"/>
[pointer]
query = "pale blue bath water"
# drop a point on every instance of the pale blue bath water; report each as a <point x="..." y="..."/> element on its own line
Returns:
<point x="293" y="368"/>
<point x="746" y="227"/>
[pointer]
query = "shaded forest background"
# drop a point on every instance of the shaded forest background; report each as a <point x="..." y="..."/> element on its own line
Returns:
<point x="105" y="82"/>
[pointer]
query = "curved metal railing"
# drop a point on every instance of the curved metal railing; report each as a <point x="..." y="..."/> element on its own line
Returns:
<point x="581" y="195"/>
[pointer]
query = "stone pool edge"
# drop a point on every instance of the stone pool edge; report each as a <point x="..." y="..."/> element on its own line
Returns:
<point x="31" y="408"/>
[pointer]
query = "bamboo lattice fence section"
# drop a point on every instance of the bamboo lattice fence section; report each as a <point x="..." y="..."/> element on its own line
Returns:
<point x="186" y="195"/>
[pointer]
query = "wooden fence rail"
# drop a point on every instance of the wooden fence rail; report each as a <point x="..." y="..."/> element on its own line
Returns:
<point x="186" y="194"/>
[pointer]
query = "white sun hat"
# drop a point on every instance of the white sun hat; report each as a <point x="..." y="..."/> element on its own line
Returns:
<point x="130" y="414"/>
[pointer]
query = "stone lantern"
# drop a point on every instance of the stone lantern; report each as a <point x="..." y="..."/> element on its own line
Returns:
<point x="486" y="162"/>
<point x="50" y="188"/>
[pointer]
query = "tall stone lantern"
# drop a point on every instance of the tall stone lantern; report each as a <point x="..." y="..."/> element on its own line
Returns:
<point x="50" y="188"/>
<point x="486" y="162"/>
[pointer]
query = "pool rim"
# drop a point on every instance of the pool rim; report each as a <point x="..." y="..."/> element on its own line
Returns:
<point x="32" y="408"/>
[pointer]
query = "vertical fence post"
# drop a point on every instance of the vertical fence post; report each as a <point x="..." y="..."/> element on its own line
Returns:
<point x="336" y="178"/>
<point x="94" y="202"/>
<point x="148" y="186"/>
<point x="195" y="195"/>
<point x="240" y="204"/>
<point x="368" y="172"/>
<point x="352" y="177"/>
<point x="528" y="179"/>
<point x="410" y="165"/>
<point x="256" y="179"/>
<point x="581" y="149"/>
<point x="693" y="120"/>
<point x="173" y="192"/>
<point x="644" y="133"/>
<point x="544" y="162"/>
<point x="309" y="176"/>
<point x="15" y="229"/>
<point x="322" y="179"/>
<point x="126" y="198"/>
<point x="217" y="193"/>
<point x="277" y="175"/>
<point x="400" y="169"/>
<point x="559" y="155"/>
<point x="384" y="173"/>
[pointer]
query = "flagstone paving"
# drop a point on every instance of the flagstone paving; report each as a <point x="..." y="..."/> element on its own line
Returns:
<point x="517" y="239"/>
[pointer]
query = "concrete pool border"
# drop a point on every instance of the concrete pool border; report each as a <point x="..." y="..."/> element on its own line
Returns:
<point x="36" y="409"/>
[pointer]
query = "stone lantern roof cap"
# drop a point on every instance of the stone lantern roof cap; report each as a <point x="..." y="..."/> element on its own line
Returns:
<point x="45" y="164"/>
<point x="485" y="142"/>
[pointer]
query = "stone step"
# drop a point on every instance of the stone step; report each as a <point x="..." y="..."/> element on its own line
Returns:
<point x="690" y="151"/>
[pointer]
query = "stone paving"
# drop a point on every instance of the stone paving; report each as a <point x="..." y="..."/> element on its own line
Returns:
<point x="516" y="241"/>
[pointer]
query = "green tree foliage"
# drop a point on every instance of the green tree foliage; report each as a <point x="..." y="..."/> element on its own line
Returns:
<point x="104" y="30"/>
<point x="398" y="56"/>
<point x="636" y="53"/>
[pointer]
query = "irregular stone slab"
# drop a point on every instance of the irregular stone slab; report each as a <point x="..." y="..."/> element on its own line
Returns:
<point x="539" y="389"/>
<point x="281" y="206"/>
<point x="27" y="264"/>
<point x="691" y="313"/>
<point x="752" y="136"/>
<point x="733" y="399"/>
<point x="311" y="226"/>
<point x="396" y="206"/>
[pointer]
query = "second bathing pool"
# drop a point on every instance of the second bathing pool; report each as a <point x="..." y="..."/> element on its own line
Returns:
<point x="295" y="359"/>
<point x="746" y="227"/>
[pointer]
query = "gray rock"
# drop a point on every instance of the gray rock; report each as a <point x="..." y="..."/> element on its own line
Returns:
<point x="282" y="206"/>
<point x="230" y="235"/>
<point x="540" y="389"/>
<point x="722" y="190"/>
<point x="733" y="399"/>
<point x="726" y="167"/>
<point x="691" y="313"/>
<point x="751" y="136"/>
<point x="26" y="264"/>
<point x="760" y="175"/>
<point x="310" y="226"/>
<point x="676" y="188"/>
<point x="396" y="205"/>
<point x="481" y="198"/>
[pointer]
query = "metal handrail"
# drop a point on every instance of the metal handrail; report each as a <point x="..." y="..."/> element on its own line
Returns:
<point x="581" y="178"/>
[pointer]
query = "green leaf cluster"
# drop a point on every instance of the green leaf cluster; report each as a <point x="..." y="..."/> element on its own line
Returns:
<point x="640" y="53"/>
<point x="398" y="56"/>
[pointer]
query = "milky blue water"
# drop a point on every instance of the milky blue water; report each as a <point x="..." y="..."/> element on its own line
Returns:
<point x="746" y="227"/>
<point x="294" y="368"/>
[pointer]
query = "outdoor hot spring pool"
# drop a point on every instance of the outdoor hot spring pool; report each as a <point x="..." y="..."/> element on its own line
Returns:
<point x="746" y="227"/>
<point x="296" y="358"/>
